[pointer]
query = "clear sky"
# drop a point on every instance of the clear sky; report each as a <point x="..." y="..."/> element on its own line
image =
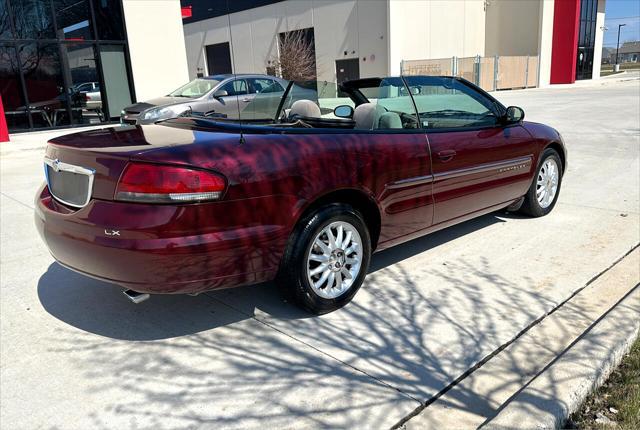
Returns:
<point x="621" y="12"/>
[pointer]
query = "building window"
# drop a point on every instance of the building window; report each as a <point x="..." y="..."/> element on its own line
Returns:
<point x="62" y="63"/>
<point x="48" y="102"/>
<point x="32" y="19"/>
<point x="586" y="38"/>
<point x="12" y="90"/>
<point x="109" y="19"/>
<point x="5" y="24"/>
<point x="73" y="19"/>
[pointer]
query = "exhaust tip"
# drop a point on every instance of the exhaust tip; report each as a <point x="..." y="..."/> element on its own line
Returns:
<point x="135" y="296"/>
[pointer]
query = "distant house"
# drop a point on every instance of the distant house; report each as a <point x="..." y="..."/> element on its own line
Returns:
<point x="608" y="55"/>
<point x="629" y="52"/>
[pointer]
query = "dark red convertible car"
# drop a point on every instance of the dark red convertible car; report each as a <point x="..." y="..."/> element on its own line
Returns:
<point x="303" y="196"/>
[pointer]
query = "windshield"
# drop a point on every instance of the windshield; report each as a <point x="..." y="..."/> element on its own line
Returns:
<point x="195" y="88"/>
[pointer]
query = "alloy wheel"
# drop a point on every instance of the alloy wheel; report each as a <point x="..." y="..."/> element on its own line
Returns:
<point x="547" y="183"/>
<point x="334" y="260"/>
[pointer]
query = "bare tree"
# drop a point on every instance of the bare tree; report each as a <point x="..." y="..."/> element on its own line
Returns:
<point x="296" y="61"/>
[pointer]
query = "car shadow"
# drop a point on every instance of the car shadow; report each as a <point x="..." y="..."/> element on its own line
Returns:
<point x="99" y="307"/>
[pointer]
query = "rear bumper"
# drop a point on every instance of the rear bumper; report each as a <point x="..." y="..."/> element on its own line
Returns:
<point x="160" y="249"/>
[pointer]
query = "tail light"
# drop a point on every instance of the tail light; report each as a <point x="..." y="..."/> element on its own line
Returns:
<point x="152" y="183"/>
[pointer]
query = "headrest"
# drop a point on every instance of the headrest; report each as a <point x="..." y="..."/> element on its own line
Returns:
<point x="389" y="120"/>
<point x="305" y="108"/>
<point x="366" y="116"/>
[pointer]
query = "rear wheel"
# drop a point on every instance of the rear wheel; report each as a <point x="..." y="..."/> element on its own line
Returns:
<point x="544" y="191"/>
<point x="326" y="260"/>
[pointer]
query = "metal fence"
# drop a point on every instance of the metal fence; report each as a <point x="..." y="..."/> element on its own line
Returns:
<point x="489" y="73"/>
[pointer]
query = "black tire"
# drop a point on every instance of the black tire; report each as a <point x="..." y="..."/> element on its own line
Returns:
<point x="292" y="277"/>
<point x="531" y="206"/>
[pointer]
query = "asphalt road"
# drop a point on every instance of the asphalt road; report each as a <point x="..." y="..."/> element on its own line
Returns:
<point x="76" y="354"/>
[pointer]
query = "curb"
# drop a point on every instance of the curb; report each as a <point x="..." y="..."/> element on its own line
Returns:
<point x="587" y="83"/>
<point x="537" y="379"/>
<point x="582" y="367"/>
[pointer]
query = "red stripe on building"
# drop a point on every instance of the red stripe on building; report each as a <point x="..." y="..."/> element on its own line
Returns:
<point x="564" y="51"/>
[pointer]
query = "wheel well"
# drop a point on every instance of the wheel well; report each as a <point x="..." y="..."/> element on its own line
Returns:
<point x="560" y="151"/>
<point x="359" y="201"/>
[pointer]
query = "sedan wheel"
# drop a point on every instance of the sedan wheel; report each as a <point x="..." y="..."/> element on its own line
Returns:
<point x="326" y="260"/>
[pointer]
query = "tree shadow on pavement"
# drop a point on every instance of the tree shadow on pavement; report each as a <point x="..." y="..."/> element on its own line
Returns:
<point x="244" y="358"/>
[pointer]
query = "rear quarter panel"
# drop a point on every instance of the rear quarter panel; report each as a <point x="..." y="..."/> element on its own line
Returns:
<point x="276" y="176"/>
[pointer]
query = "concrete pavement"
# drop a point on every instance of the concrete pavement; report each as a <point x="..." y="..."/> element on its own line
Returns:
<point x="539" y="379"/>
<point x="75" y="354"/>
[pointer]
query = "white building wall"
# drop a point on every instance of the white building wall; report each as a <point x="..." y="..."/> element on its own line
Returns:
<point x="545" y="42"/>
<point x="382" y="33"/>
<point x="355" y="26"/>
<point x="435" y="29"/>
<point x="597" y="48"/>
<point x="156" y="46"/>
<point x="513" y="27"/>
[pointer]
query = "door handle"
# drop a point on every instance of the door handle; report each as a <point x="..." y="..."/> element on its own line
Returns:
<point x="446" y="155"/>
<point x="246" y="100"/>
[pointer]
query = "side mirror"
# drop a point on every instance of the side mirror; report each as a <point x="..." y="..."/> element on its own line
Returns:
<point x="220" y="93"/>
<point x="514" y="114"/>
<point x="343" y="111"/>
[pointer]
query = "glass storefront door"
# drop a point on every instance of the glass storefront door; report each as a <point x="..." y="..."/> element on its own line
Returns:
<point x="12" y="90"/>
<point x="62" y="63"/>
<point x="586" y="38"/>
<point x="48" y="103"/>
<point x="84" y="84"/>
<point x="116" y="84"/>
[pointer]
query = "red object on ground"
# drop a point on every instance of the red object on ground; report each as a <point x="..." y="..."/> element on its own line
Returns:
<point x="564" y="53"/>
<point x="186" y="12"/>
<point x="4" y="130"/>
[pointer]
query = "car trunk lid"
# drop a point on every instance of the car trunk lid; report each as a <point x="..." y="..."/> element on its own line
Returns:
<point x="90" y="163"/>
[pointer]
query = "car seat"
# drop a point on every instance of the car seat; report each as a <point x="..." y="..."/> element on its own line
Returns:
<point x="305" y="108"/>
<point x="389" y="120"/>
<point x="372" y="116"/>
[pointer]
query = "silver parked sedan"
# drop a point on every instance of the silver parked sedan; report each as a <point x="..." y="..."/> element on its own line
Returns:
<point x="223" y="96"/>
